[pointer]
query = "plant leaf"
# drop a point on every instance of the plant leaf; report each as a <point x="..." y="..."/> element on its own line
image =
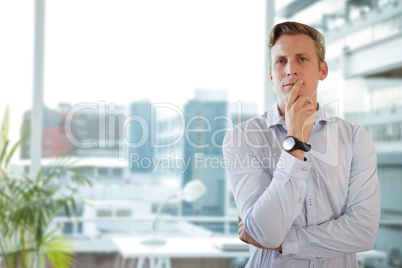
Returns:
<point x="59" y="251"/>
<point x="5" y="127"/>
<point x="15" y="147"/>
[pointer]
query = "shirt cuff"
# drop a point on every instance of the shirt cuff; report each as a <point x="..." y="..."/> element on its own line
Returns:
<point x="290" y="244"/>
<point x="292" y="166"/>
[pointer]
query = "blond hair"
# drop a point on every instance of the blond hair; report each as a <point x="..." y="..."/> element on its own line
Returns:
<point x="295" y="28"/>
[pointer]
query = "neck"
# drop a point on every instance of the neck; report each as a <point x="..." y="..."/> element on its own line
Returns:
<point x="281" y="108"/>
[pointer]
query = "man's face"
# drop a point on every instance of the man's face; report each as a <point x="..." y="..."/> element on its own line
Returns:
<point x="293" y="58"/>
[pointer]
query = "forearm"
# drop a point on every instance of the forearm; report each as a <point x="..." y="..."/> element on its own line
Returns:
<point x="356" y="229"/>
<point x="269" y="213"/>
<point x="274" y="212"/>
<point x="348" y="234"/>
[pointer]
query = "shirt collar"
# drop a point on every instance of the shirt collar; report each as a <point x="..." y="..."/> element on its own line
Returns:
<point x="323" y="116"/>
<point x="274" y="118"/>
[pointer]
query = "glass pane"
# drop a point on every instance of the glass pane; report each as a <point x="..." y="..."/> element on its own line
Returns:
<point x="134" y="87"/>
<point x="16" y="61"/>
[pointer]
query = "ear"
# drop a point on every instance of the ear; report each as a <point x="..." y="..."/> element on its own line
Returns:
<point x="323" y="70"/>
<point x="271" y="79"/>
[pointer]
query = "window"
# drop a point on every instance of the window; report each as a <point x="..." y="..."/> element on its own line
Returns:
<point x="123" y="213"/>
<point x="104" y="213"/>
<point x="117" y="171"/>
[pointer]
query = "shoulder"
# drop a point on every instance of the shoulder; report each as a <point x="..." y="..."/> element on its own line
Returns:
<point x="356" y="135"/>
<point x="251" y="133"/>
<point x="354" y="130"/>
<point x="256" y="124"/>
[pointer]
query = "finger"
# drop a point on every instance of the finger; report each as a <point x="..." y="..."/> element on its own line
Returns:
<point x="307" y="106"/>
<point x="240" y="224"/>
<point x="310" y="119"/>
<point x="240" y="228"/>
<point x="294" y="92"/>
<point x="244" y="237"/>
<point x="301" y="102"/>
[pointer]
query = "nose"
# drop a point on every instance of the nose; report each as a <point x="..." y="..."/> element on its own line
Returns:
<point x="291" y="69"/>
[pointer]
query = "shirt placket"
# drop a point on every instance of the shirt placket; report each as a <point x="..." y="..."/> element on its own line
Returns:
<point x="311" y="208"/>
<point x="310" y="201"/>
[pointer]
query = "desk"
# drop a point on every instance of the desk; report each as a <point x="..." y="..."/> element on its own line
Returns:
<point x="130" y="248"/>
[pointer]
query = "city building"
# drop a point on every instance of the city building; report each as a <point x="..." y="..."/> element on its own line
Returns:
<point x="85" y="129"/>
<point x="206" y="126"/>
<point x="54" y="140"/>
<point x="140" y="125"/>
<point x="208" y="117"/>
<point x="94" y="129"/>
<point x="168" y="137"/>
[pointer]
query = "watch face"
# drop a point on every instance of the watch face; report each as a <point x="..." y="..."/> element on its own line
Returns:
<point x="288" y="143"/>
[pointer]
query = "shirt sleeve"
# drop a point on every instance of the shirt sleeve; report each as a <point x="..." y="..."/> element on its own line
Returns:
<point x="356" y="229"/>
<point x="267" y="204"/>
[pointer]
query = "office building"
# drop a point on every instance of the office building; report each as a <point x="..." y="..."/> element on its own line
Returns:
<point x="54" y="140"/>
<point x="204" y="133"/>
<point x="140" y="140"/>
<point x="86" y="129"/>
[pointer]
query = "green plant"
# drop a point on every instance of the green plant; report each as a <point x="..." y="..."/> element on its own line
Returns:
<point x="28" y="206"/>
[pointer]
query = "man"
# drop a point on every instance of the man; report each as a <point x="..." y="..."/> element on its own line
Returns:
<point x="305" y="184"/>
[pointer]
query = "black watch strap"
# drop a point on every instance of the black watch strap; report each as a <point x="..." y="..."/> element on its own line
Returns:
<point x="290" y="143"/>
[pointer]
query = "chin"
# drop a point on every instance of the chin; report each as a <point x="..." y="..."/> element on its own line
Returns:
<point x="283" y="100"/>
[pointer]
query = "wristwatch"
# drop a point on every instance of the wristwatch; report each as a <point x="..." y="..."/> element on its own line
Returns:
<point x="290" y="143"/>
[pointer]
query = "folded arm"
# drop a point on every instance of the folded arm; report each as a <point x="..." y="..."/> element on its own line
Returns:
<point x="267" y="205"/>
<point x="356" y="229"/>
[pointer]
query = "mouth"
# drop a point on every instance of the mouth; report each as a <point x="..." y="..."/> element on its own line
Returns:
<point x="290" y="85"/>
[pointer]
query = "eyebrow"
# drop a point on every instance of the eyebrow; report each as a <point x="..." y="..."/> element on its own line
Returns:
<point x="279" y="57"/>
<point x="303" y="54"/>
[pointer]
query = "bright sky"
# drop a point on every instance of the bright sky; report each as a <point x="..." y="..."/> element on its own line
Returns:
<point x="129" y="50"/>
<point x="120" y="51"/>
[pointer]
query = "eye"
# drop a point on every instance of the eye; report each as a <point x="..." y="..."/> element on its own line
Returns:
<point x="280" y="61"/>
<point x="302" y="59"/>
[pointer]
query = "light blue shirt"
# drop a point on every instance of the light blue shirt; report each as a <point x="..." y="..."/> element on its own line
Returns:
<point x="323" y="210"/>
